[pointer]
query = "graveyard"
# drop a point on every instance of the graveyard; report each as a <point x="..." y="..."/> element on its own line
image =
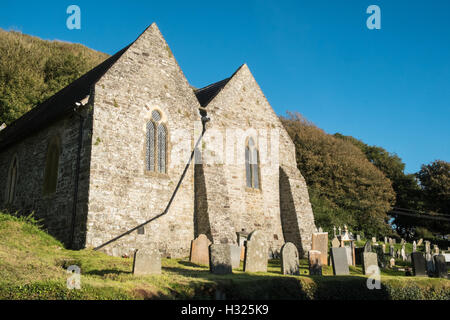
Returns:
<point x="33" y="265"/>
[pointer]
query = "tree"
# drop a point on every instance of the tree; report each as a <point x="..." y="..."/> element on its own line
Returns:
<point x="344" y="187"/>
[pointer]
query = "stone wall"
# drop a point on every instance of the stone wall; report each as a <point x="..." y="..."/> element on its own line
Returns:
<point x="55" y="209"/>
<point x="231" y="206"/>
<point x="123" y="194"/>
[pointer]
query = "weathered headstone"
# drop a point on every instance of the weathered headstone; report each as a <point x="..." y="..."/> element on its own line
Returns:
<point x="399" y="254"/>
<point x="256" y="253"/>
<point x="392" y="262"/>
<point x="414" y="247"/>
<point x="435" y="249"/>
<point x="374" y="240"/>
<point x="200" y="250"/>
<point x="429" y="264"/>
<point x="335" y="243"/>
<point x="402" y="242"/>
<point x="147" y="261"/>
<point x="384" y="248"/>
<point x="420" y="242"/>
<point x="235" y="256"/>
<point x="391" y="251"/>
<point x="315" y="263"/>
<point x="368" y="247"/>
<point x="427" y="247"/>
<point x="290" y="263"/>
<point x="390" y="241"/>
<point x="339" y="261"/>
<point x="320" y="243"/>
<point x="220" y="258"/>
<point x="440" y="266"/>
<point x="320" y="230"/>
<point x="385" y="240"/>
<point x="358" y="237"/>
<point x="403" y="253"/>
<point x="369" y="259"/>
<point x="419" y="264"/>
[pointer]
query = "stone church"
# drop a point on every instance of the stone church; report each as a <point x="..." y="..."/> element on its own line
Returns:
<point x="106" y="154"/>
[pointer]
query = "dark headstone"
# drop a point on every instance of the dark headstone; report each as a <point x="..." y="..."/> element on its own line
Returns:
<point x="419" y="264"/>
<point x="440" y="266"/>
<point x="290" y="263"/>
<point x="430" y="264"/>
<point x="315" y="263"/>
<point x="380" y="256"/>
<point x="340" y="262"/>
<point x="358" y="255"/>
<point x="220" y="258"/>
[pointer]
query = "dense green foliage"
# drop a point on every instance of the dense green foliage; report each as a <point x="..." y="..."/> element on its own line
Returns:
<point x="345" y="188"/>
<point x="32" y="70"/>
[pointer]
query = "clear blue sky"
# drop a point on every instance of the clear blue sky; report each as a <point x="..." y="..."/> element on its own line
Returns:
<point x="388" y="87"/>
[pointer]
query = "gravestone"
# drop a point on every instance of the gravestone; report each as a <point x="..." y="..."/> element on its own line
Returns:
<point x="320" y="243"/>
<point x="358" y="237"/>
<point x="220" y="258"/>
<point x="392" y="262"/>
<point x="349" y="255"/>
<point x="430" y="264"/>
<point x="380" y="256"/>
<point x="368" y="247"/>
<point x="315" y="263"/>
<point x="402" y="242"/>
<point x="403" y="253"/>
<point x="320" y="230"/>
<point x="390" y="241"/>
<point x="435" y="249"/>
<point x="394" y="241"/>
<point x="335" y="243"/>
<point x="339" y="261"/>
<point x="420" y="242"/>
<point x="374" y="240"/>
<point x="147" y="261"/>
<point x="200" y="250"/>
<point x="290" y="263"/>
<point x="369" y="259"/>
<point x="385" y="240"/>
<point x="235" y="256"/>
<point x="384" y="248"/>
<point x="427" y="247"/>
<point x="358" y="255"/>
<point x="440" y="266"/>
<point x="399" y="254"/>
<point x="414" y="248"/>
<point x="419" y="264"/>
<point x="391" y="251"/>
<point x="256" y="253"/>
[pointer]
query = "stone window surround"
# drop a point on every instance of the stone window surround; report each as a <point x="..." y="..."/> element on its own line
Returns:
<point x="164" y="122"/>
<point x="54" y="141"/>
<point x="9" y="198"/>
<point x="247" y="188"/>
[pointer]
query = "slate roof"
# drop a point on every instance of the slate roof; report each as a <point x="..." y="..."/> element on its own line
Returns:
<point x="57" y="105"/>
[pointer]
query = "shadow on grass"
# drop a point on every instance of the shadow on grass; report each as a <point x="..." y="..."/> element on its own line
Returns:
<point x="106" y="272"/>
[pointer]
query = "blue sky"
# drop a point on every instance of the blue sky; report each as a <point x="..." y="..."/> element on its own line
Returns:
<point x="388" y="87"/>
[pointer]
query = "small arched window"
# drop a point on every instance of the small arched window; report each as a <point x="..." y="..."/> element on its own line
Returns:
<point x="12" y="180"/>
<point x="252" y="164"/>
<point x="156" y="146"/>
<point x="51" y="166"/>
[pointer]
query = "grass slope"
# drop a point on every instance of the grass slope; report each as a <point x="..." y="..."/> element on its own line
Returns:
<point x="33" y="266"/>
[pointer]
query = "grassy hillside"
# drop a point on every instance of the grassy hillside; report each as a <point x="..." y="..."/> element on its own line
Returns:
<point x="32" y="70"/>
<point x="33" y="266"/>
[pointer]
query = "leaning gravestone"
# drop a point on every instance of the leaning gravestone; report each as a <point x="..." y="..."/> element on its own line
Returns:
<point x="419" y="264"/>
<point x="315" y="263"/>
<point x="290" y="263"/>
<point x="147" y="261"/>
<point x="220" y="258"/>
<point x="369" y="259"/>
<point x="440" y="266"/>
<point x="320" y="243"/>
<point x="339" y="261"/>
<point x="200" y="250"/>
<point x="256" y="253"/>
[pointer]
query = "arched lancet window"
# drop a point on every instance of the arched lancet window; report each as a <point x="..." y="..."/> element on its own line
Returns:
<point x="156" y="148"/>
<point x="12" y="181"/>
<point x="252" y="164"/>
<point x="51" y="166"/>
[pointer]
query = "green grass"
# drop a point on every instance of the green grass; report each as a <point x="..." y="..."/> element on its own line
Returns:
<point x="33" y="266"/>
